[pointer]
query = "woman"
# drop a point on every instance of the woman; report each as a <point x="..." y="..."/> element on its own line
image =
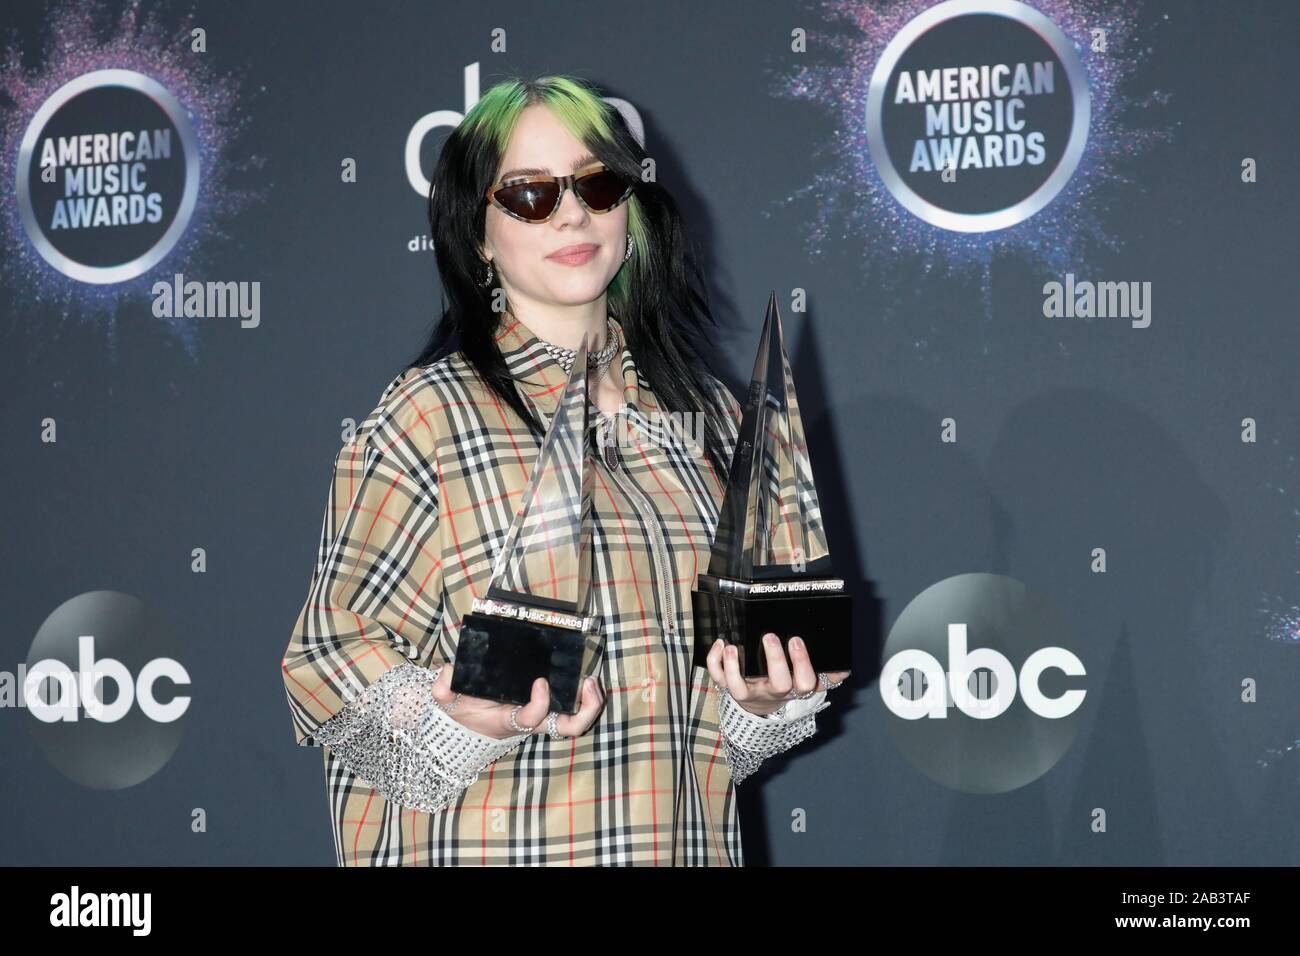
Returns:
<point x="645" y="772"/>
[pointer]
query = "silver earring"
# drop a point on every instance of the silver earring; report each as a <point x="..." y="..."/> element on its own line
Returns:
<point x="628" y="255"/>
<point x="487" y="283"/>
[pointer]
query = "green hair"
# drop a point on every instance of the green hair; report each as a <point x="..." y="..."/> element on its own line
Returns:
<point x="585" y="114"/>
<point x="658" y="295"/>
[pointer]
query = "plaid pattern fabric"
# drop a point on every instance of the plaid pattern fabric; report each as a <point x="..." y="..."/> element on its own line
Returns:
<point x="421" y="503"/>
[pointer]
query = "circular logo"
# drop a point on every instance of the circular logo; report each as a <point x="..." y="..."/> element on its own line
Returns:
<point x="977" y="114"/>
<point x="983" y="691"/>
<point x="106" y="690"/>
<point x="108" y="176"/>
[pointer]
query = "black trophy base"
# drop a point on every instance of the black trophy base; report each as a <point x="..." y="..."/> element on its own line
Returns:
<point x="499" y="658"/>
<point x="823" y="620"/>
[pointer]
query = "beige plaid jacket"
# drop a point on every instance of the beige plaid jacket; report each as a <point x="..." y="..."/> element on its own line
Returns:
<point x="421" y="501"/>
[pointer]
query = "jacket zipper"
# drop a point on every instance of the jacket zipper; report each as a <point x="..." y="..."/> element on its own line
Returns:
<point x="663" y="562"/>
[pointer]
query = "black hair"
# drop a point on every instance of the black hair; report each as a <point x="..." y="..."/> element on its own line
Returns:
<point x="659" y="296"/>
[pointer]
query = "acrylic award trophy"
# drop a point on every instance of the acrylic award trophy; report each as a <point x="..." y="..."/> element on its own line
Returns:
<point x="770" y="565"/>
<point x="532" y="621"/>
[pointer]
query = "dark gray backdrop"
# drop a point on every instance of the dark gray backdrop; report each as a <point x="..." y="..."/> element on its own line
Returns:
<point x="1131" y="440"/>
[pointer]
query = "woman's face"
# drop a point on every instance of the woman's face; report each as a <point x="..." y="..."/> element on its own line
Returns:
<point x="522" y="252"/>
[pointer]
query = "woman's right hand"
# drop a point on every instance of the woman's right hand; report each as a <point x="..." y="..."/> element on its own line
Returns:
<point x="492" y="718"/>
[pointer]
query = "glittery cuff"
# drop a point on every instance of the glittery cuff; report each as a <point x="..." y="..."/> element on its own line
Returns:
<point x="750" y="739"/>
<point x="399" y="740"/>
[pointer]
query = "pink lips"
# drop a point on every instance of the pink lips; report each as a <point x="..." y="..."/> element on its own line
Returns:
<point x="574" y="255"/>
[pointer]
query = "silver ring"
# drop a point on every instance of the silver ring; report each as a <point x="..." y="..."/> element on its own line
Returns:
<point x="550" y="726"/>
<point x="451" y="706"/>
<point x="826" y="681"/>
<point x="805" y="696"/>
<point x="515" y="724"/>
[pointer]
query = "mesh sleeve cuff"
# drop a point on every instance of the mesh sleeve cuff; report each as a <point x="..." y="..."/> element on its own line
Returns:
<point x="400" y="741"/>
<point x="750" y="739"/>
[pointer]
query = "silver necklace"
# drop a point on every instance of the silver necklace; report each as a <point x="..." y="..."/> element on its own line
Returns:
<point x="596" y="361"/>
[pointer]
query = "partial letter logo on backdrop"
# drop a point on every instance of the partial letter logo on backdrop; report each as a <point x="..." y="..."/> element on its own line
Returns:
<point x="452" y="118"/>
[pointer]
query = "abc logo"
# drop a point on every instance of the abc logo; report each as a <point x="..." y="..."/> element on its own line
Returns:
<point x="80" y="689"/>
<point x="987" y="661"/>
<point x="962" y="665"/>
<point x="108" y="710"/>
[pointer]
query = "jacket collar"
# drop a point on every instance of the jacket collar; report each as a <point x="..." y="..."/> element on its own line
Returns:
<point x="541" y="378"/>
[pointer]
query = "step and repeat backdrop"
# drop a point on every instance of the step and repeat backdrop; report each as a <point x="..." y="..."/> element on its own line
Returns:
<point x="1036" y="267"/>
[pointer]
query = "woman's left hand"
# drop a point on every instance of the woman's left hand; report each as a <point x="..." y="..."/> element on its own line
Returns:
<point x="762" y="695"/>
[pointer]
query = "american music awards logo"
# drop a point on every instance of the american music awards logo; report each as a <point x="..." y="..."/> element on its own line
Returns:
<point x="977" y="114"/>
<point x="970" y="130"/>
<point x="108" y="176"/>
<point x="123" y="145"/>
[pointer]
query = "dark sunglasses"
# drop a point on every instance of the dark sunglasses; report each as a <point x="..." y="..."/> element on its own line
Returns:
<point x="535" y="198"/>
